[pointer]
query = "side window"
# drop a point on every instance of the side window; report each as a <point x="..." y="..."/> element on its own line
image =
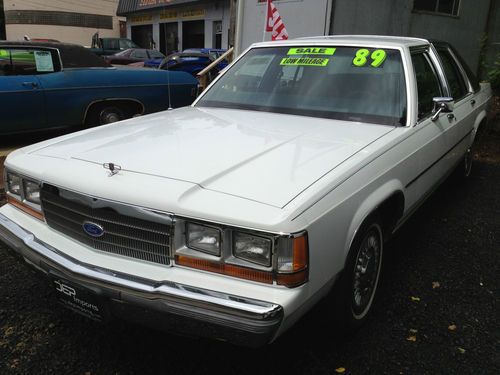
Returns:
<point x="427" y="83"/>
<point x="453" y="74"/>
<point x="139" y="54"/>
<point x="17" y="62"/>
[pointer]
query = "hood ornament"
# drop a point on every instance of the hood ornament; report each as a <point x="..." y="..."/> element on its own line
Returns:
<point x="113" y="168"/>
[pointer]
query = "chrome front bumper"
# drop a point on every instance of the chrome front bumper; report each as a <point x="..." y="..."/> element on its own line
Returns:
<point x="166" y="305"/>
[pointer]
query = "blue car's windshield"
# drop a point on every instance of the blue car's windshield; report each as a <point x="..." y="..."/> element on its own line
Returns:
<point x="347" y="83"/>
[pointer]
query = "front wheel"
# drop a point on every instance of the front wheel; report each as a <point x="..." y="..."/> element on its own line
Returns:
<point x="358" y="284"/>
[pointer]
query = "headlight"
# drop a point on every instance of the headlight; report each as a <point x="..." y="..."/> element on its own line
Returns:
<point x="32" y="191"/>
<point x="271" y="258"/>
<point x="203" y="238"/>
<point x="252" y="248"/>
<point x="24" y="194"/>
<point x="14" y="184"/>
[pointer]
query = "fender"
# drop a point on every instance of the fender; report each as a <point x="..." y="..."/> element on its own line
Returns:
<point x="368" y="206"/>
<point x="479" y="119"/>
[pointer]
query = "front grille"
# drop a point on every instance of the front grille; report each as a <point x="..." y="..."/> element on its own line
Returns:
<point x="123" y="235"/>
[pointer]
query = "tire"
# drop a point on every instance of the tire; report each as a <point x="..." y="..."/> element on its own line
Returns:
<point x="103" y="113"/>
<point x="465" y="167"/>
<point x="110" y="114"/>
<point x="467" y="162"/>
<point x="356" y="289"/>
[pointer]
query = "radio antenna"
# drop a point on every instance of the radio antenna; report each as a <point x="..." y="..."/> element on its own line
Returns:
<point x="168" y="71"/>
<point x="168" y="88"/>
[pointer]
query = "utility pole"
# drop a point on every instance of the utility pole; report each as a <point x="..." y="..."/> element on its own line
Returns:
<point x="232" y="22"/>
<point x="2" y="22"/>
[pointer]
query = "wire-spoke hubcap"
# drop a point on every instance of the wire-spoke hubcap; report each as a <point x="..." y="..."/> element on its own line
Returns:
<point x="366" y="272"/>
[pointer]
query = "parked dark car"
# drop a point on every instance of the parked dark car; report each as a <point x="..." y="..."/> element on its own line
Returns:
<point x="55" y="85"/>
<point x="214" y="52"/>
<point x="191" y="62"/>
<point x="109" y="46"/>
<point x="133" y="55"/>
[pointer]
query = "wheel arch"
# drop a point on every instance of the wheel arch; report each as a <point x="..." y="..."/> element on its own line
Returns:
<point x="388" y="201"/>
<point x="481" y="120"/>
<point x="115" y="101"/>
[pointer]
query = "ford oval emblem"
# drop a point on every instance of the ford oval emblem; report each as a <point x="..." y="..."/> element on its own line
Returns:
<point x="93" y="229"/>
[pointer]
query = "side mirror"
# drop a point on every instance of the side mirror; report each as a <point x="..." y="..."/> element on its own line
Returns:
<point x="442" y="105"/>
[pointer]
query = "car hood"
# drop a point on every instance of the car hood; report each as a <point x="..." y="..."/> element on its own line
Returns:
<point x="265" y="157"/>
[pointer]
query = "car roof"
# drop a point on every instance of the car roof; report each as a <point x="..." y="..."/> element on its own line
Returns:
<point x="388" y="41"/>
<point x="72" y="55"/>
<point x="39" y="44"/>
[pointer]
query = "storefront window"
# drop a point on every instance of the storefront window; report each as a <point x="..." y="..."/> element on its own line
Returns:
<point x="169" y="38"/>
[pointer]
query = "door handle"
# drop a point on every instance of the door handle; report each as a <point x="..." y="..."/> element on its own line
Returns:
<point x="473" y="102"/>
<point x="33" y="85"/>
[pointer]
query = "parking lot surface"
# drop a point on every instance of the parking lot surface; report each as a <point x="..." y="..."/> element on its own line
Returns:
<point x="436" y="313"/>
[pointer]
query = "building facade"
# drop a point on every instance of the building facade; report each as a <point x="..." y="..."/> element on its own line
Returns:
<point x="71" y="21"/>
<point x="175" y="25"/>
<point x="463" y="23"/>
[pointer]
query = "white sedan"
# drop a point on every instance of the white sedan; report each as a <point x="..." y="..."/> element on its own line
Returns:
<point x="232" y="217"/>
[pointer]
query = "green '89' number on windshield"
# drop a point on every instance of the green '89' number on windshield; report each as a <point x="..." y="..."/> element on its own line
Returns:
<point x="378" y="57"/>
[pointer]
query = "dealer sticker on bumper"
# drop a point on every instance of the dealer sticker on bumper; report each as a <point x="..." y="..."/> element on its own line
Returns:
<point x="78" y="299"/>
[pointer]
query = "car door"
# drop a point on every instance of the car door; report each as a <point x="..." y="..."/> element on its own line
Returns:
<point x="465" y="111"/>
<point x="22" y="105"/>
<point x="432" y="135"/>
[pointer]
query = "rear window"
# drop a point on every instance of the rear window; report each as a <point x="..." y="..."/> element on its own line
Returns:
<point x="79" y="57"/>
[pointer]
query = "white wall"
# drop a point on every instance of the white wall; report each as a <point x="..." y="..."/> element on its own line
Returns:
<point x="69" y="34"/>
<point x="301" y="17"/>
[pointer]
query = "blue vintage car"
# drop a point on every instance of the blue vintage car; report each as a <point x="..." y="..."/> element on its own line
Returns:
<point x="191" y="62"/>
<point x="53" y="85"/>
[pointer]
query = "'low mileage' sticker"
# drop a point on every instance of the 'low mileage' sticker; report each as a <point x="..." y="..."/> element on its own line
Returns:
<point x="305" y="61"/>
<point x="310" y="56"/>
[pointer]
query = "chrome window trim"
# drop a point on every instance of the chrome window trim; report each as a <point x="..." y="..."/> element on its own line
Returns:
<point x="34" y="48"/>
<point x="462" y="71"/>
<point x="431" y="56"/>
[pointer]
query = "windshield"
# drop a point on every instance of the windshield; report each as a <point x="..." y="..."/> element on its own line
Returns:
<point x="123" y="53"/>
<point x="156" y="54"/>
<point x="346" y="83"/>
<point x="125" y="43"/>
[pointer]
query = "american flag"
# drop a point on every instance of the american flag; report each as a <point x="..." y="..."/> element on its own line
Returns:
<point x="275" y="23"/>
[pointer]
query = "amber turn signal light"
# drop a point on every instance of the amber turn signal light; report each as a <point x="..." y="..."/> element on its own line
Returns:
<point x="225" y="269"/>
<point x="24" y="207"/>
